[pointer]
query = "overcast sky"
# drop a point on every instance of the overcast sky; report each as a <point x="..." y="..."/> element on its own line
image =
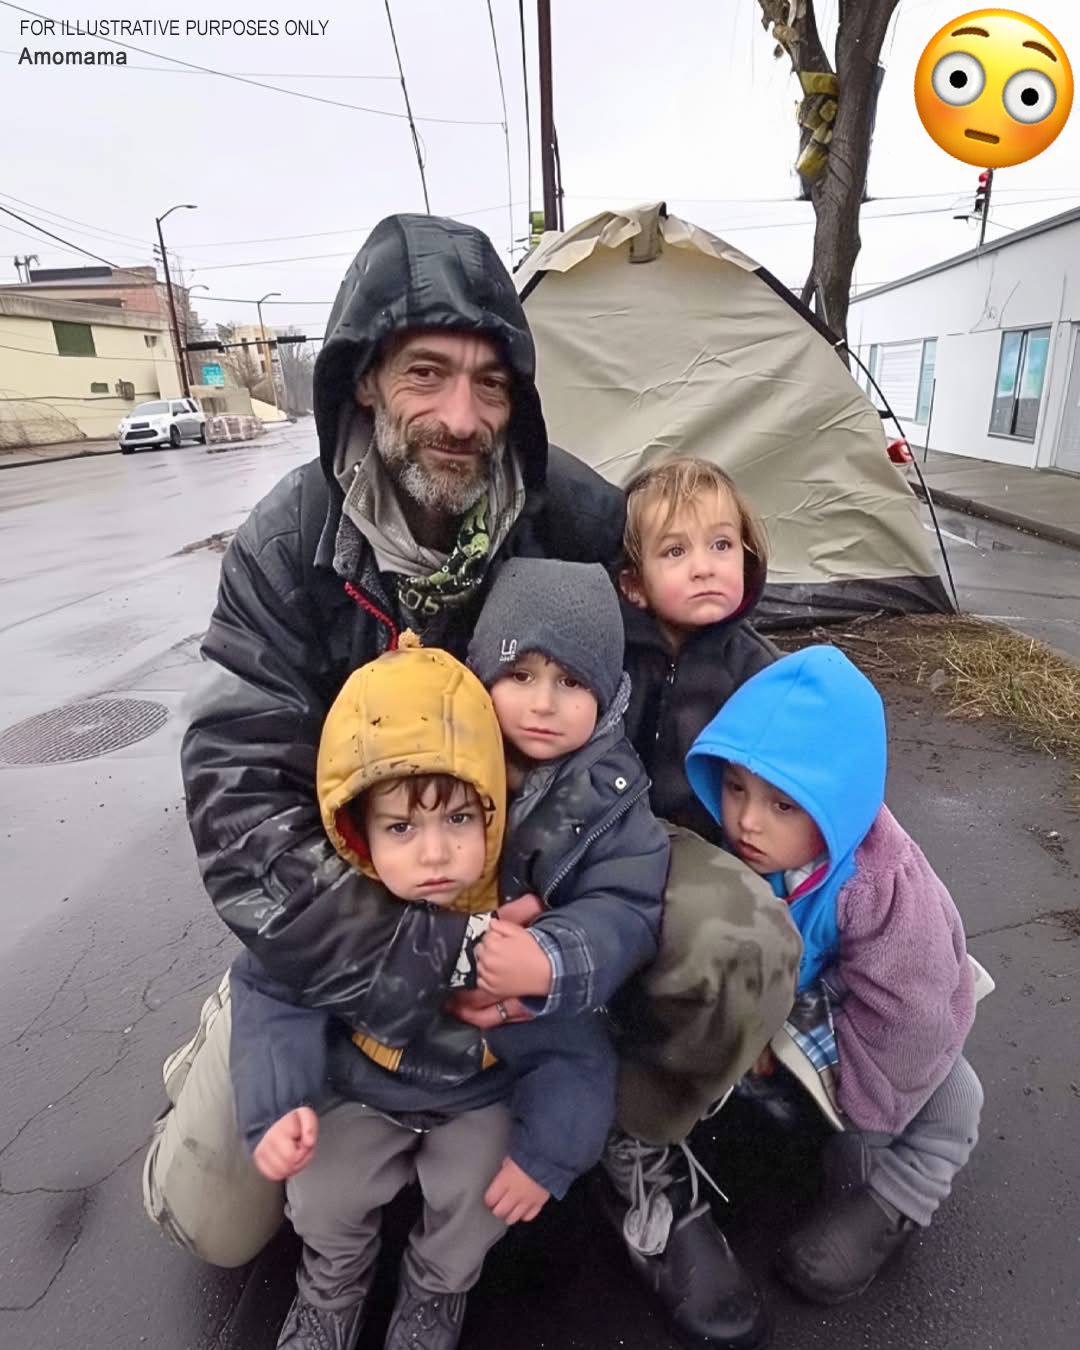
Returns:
<point x="681" y="101"/>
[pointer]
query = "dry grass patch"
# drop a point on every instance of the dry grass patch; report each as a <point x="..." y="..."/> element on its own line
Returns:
<point x="982" y="669"/>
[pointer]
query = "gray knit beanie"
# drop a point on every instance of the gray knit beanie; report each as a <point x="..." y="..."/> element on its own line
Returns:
<point x="567" y="611"/>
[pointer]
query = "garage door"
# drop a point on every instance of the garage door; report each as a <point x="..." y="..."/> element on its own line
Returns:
<point x="899" y="364"/>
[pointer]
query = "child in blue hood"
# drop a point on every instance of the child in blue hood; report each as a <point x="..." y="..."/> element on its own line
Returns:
<point x="793" y="769"/>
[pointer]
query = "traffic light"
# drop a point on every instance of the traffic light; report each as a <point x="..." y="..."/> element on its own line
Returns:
<point x="217" y="345"/>
<point x="982" y="192"/>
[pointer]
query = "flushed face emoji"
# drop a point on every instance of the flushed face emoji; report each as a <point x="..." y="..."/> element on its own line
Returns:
<point x="994" y="88"/>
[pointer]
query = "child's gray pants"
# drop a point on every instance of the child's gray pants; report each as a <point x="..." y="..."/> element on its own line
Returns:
<point x="915" y="1170"/>
<point x="362" y="1160"/>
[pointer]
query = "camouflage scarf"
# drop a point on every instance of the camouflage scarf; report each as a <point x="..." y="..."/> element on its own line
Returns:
<point x="423" y="597"/>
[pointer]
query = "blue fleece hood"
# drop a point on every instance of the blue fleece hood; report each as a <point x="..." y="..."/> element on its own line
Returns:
<point x="814" y="726"/>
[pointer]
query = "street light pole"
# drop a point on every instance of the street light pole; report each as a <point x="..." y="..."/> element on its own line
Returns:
<point x="266" y="348"/>
<point x="181" y="355"/>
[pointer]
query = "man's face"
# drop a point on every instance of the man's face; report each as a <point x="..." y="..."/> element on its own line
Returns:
<point x="442" y="405"/>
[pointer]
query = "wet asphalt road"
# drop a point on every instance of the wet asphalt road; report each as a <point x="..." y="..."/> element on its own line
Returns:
<point x="107" y="945"/>
<point x="1003" y="574"/>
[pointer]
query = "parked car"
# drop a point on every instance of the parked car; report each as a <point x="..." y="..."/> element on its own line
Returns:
<point x="167" y="422"/>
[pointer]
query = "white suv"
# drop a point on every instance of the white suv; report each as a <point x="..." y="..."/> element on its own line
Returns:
<point x="168" y="422"/>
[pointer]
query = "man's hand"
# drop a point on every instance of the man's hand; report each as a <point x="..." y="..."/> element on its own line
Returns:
<point x="288" y="1145"/>
<point x="510" y="963"/>
<point x="513" y="1196"/>
<point x="521" y="911"/>
<point x="482" y="1010"/>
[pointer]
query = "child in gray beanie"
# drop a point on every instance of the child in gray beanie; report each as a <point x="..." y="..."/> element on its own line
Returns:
<point x="566" y="611"/>
<point x="548" y="647"/>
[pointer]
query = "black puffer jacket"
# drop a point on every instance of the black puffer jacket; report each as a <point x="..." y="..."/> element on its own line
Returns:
<point x="286" y="633"/>
<point x="673" y="698"/>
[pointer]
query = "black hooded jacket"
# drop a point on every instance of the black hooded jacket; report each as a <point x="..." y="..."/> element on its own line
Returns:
<point x="287" y="630"/>
<point x="674" y="697"/>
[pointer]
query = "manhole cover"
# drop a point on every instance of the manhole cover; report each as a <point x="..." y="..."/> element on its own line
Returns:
<point x="81" y="731"/>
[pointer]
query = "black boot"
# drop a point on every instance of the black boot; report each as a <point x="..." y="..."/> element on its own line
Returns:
<point x="850" y="1234"/>
<point x="677" y="1249"/>
<point x="424" y="1321"/>
<point x="309" y="1328"/>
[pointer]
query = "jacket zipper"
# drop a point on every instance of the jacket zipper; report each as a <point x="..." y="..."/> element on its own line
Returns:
<point x="362" y="600"/>
<point x="669" y="680"/>
<point x="591" y="839"/>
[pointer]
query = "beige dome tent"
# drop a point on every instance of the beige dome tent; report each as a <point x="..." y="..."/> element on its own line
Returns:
<point x="655" y="337"/>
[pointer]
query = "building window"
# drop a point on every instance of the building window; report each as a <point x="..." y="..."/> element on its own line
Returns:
<point x="1020" y="374"/>
<point x="97" y="388"/>
<point x="74" y="339"/>
<point x="926" y="380"/>
<point x="150" y="339"/>
<point x="898" y="368"/>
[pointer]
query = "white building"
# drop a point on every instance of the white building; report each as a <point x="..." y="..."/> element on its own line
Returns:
<point x="992" y="339"/>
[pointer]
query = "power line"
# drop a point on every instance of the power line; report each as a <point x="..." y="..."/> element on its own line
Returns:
<point x="729" y="229"/>
<point x="882" y="215"/>
<point x="231" y="243"/>
<point x="477" y="211"/>
<point x="258" y="84"/>
<point x="325" y="234"/>
<point x="269" y="262"/>
<point x="528" y="116"/>
<point x="240" y="300"/>
<point x="34" y="351"/>
<point x="793" y="201"/>
<point x="263" y="74"/>
<point x="506" y="128"/>
<point x="34" y="239"/>
<point x="68" y="243"/>
<point x="55" y="398"/>
<point x="258" y="74"/>
<point x="408" y="108"/>
<point x="246" y="74"/>
<point x="72" y="220"/>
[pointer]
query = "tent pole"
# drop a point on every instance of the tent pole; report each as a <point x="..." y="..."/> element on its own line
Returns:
<point x="929" y="420"/>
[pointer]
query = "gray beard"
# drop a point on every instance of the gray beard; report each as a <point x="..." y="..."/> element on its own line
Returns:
<point x="450" y="492"/>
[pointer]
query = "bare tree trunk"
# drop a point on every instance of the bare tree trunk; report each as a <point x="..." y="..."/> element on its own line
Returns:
<point x="837" y="191"/>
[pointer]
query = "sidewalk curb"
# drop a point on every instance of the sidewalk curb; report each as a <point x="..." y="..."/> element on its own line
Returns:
<point x="56" y="459"/>
<point x="1057" y="534"/>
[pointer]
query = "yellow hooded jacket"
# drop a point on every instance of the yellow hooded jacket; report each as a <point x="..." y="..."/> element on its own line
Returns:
<point x="412" y="711"/>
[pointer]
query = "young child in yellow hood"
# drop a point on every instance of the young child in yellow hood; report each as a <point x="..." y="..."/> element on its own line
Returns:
<point x="412" y="789"/>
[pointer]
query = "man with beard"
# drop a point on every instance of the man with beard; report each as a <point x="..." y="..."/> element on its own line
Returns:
<point x="434" y="468"/>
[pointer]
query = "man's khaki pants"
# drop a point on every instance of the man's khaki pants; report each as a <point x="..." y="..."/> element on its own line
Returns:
<point x="199" y="1183"/>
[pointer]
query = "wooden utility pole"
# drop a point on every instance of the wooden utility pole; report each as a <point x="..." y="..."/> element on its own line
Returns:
<point x="181" y="355"/>
<point x="547" y="117"/>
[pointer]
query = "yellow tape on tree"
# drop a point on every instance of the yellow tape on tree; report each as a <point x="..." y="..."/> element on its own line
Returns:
<point x="819" y="82"/>
<point x="817" y="112"/>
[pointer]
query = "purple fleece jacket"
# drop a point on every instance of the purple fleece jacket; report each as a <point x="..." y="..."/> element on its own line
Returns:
<point x="876" y="921"/>
<point x="908" y="992"/>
